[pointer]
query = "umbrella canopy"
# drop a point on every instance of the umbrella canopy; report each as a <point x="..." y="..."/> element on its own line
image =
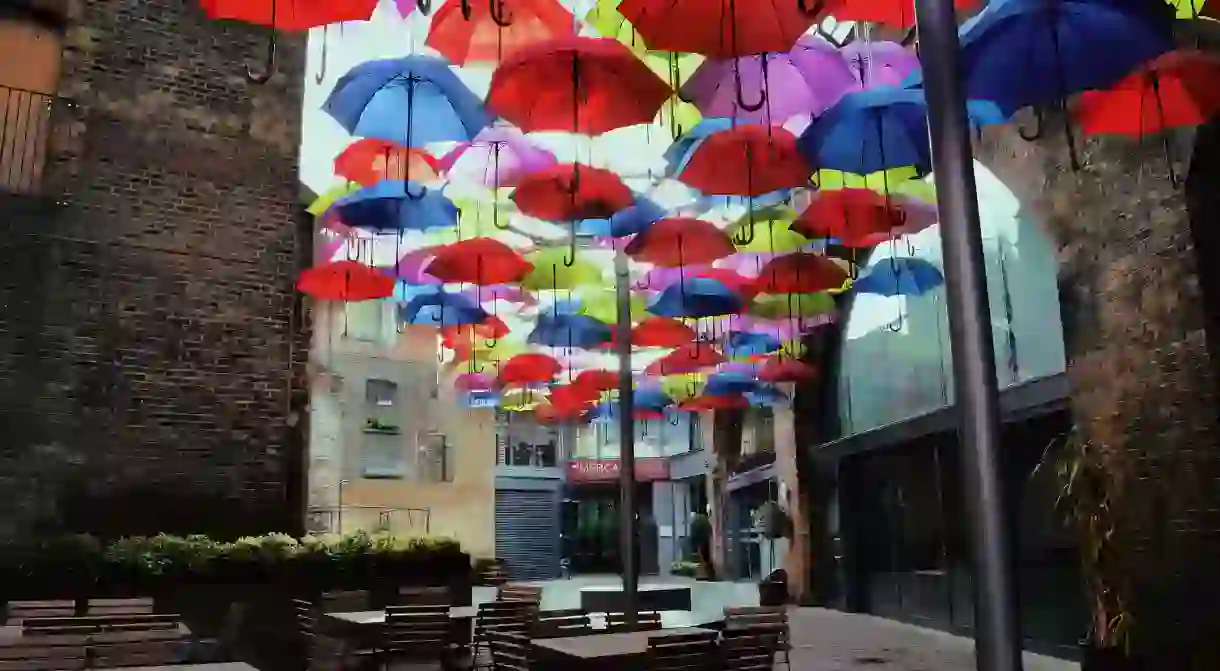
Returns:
<point x="478" y="261"/>
<point x="799" y="273"/>
<point x="627" y="221"/>
<point x="900" y="277"/>
<point x="293" y="15"/>
<point x="874" y="64"/>
<point x="396" y="206"/>
<point x="572" y="192"/>
<point x="550" y="272"/>
<point x="529" y="368"/>
<point x="482" y="31"/>
<point x="1175" y="90"/>
<point x="599" y="380"/>
<point x="792" y="306"/>
<point x="413" y="101"/>
<point x="661" y="332"/>
<point x="442" y="309"/>
<point x="742" y="343"/>
<point x="678" y="241"/>
<point x="727" y="384"/>
<point x="369" y="161"/>
<point x="859" y="217"/>
<point x="585" y="85"/>
<point x="719" y="28"/>
<point x="689" y="358"/>
<point x="345" y="281"/>
<point x="569" y="331"/>
<point x="474" y="382"/>
<point x="780" y="368"/>
<point x="711" y="403"/>
<point x="496" y="157"/>
<point x="749" y="160"/>
<point x="896" y="13"/>
<point x="696" y="297"/>
<point x="767" y="231"/>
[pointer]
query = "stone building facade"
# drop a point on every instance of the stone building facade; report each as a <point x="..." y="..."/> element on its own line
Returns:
<point x="152" y="345"/>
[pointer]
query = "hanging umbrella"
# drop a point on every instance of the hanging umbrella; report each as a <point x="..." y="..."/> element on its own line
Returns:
<point x="289" y="15"/>
<point x="766" y="395"/>
<point x="900" y="277"/>
<point x="501" y="292"/>
<point x="767" y="231"/>
<point x="677" y="241"/>
<point x="396" y="206"/>
<point x="572" y="192"/>
<point x="689" y="358"/>
<point x="806" y="80"/>
<point x="599" y="380"/>
<point x="497" y="157"/>
<point x="551" y="272"/>
<point x="780" y="368"/>
<point x="874" y="64"/>
<point x="894" y="13"/>
<point x="602" y="304"/>
<point x="586" y="85"/>
<point x="661" y="332"/>
<point x="651" y="398"/>
<point x="683" y="385"/>
<point x="569" y="331"/>
<point x="345" y="281"/>
<point x="792" y="306"/>
<point x="728" y="384"/>
<point x="697" y="297"/>
<point x="713" y="403"/>
<point x="442" y="309"/>
<point x="895" y="181"/>
<point x="525" y="369"/>
<point x="483" y="31"/>
<point x="474" y="382"/>
<point x="413" y="101"/>
<point x="478" y="261"/>
<point x="369" y="161"/>
<point x="736" y="282"/>
<point x="573" y="397"/>
<point x="720" y="28"/>
<point x="748" y="160"/>
<point x="743" y="343"/>
<point x="323" y="202"/>
<point x="492" y="328"/>
<point x="677" y="154"/>
<point x="411" y="267"/>
<point x="627" y="221"/>
<point x="879" y="129"/>
<point x="799" y="273"/>
<point x="861" y="217"/>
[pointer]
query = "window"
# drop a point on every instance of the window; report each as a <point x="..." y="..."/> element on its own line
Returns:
<point x="29" y="75"/>
<point x="433" y="459"/>
<point x="523" y="442"/>
<point x="382" y="455"/>
<point x="366" y="320"/>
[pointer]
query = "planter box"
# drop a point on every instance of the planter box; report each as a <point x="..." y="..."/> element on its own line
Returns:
<point x="1107" y="659"/>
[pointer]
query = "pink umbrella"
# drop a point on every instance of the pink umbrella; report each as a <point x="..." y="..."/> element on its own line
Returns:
<point x="406" y="7"/>
<point x="876" y="64"/>
<point x="659" y="278"/>
<point x="410" y="266"/>
<point x="497" y="156"/>
<point x="501" y="292"/>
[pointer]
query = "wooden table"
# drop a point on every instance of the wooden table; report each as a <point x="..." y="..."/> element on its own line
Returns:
<point x="364" y="617"/>
<point x="218" y="666"/>
<point x="670" y="619"/>
<point x="601" y="651"/>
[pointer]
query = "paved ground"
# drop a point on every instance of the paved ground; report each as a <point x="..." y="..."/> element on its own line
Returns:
<point x="824" y="640"/>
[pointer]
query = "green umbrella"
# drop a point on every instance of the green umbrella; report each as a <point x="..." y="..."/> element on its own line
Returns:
<point x="551" y="272"/>
<point x="785" y="306"/>
<point x="771" y="231"/>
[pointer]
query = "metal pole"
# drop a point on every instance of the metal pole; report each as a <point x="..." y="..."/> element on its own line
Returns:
<point x="997" y="635"/>
<point x="626" y="409"/>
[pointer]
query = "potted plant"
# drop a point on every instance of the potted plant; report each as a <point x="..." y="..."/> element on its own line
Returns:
<point x="773" y="520"/>
<point x="1088" y="505"/>
<point x="701" y="546"/>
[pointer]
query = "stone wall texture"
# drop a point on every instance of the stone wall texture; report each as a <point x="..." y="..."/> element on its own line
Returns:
<point x="152" y="346"/>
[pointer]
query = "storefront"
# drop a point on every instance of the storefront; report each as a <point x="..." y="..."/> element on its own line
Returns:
<point x="591" y="514"/>
<point x="751" y="553"/>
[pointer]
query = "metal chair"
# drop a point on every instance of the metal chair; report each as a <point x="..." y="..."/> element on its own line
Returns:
<point x="752" y="648"/>
<point x="424" y="596"/>
<point x="681" y="652"/>
<point x="646" y="621"/>
<point x="44" y="653"/>
<point x="513" y="617"/>
<point x="345" y="602"/>
<point x="511" y="652"/>
<point x="511" y="592"/>
<point x="561" y="623"/>
<point x="418" y="635"/>
<point x="318" y="652"/>
<point x="763" y="619"/>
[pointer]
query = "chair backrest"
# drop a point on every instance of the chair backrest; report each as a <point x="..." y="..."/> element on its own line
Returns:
<point x="561" y="623"/>
<point x="87" y="624"/>
<point x="424" y="596"/>
<point x="493" y="574"/>
<point x="646" y="621"/>
<point x="514" y="616"/>
<point x="345" y="602"/>
<point x="420" y="632"/>
<point x="305" y="614"/>
<point x="510" y="651"/>
<point x="135" y="648"/>
<point x="19" y="610"/>
<point x="772" y="617"/>
<point x="681" y="652"/>
<point x="751" y="648"/>
<point x="43" y="653"/>
<point x="101" y="607"/>
<point x="511" y="592"/>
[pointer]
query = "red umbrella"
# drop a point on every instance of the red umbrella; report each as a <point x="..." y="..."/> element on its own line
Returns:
<point x="740" y="284"/>
<point x="369" y="161"/>
<point x="1174" y="90"/>
<point x="856" y="217"/>
<point x="588" y="85"/>
<point x="599" y="380"/>
<point x="483" y="31"/>
<point x="551" y="414"/>
<point x="721" y="28"/>
<point x="345" y="281"/>
<point x="896" y="13"/>
<point x="478" y="261"/>
<point x="661" y="332"/>
<point x="748" y="160"/>
<point x="780" y="368"/>
<point x="473" y="382"/>
<point x="492" y="328"/>
<point x="648" y="414"/>
<point x="528" y="369"/>
<point x="572" y="191"/>
<point x="799" y="273"/>
<point x="705" y="403"/>
<point x="574" y="396"/>
<point x="678" y="241"/>
<point x="689" y="358"/>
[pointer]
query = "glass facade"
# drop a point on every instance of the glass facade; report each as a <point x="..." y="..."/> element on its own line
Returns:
<point x="677" y="434"/>
<point x="896" y="363"/>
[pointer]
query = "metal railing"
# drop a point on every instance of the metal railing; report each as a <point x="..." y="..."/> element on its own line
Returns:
<point x="25" y="126"/>
<point x="339" y="519"/>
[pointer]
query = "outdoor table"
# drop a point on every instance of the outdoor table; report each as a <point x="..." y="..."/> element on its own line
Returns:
<point x="215" y="666"/>
<point x="670" y="619"/>
<point x="597" y="652"/>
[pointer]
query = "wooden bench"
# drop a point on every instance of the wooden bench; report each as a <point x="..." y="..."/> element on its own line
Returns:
<point x="44" y="653"/>
<point x="135" y="648"/>
<point x="20" y="610"/>
<point x="84" y="625"/>
<point x="103" y="607"/>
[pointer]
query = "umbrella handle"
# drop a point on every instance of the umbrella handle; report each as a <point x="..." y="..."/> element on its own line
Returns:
<point x="467" y="11"/>
<point x="265" y="76"/>
<point x="896" y="325"/>
<point x="673" y="422"/>
<point x="745" y="236"/>
<point x="803" y="6"/>
<point x="909" y="38"/>
<point x="1036" y="133"/>
<point x="321" y="76"/>
<point x="498" y="14"/>
<point x="569" y="259"/>
<point x="424" y="6"/>
<point x="741" y="102"/>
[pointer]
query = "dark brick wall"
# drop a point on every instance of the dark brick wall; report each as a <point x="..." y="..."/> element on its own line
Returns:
<point x="152" y="348"/>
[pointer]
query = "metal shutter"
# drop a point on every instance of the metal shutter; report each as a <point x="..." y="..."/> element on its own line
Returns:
<point x="527" y="533"/>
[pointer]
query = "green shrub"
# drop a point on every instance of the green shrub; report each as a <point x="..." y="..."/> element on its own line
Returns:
<point x="685" y="568"/>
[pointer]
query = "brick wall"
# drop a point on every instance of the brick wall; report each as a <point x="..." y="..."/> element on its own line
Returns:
<point x="152" y="348"/>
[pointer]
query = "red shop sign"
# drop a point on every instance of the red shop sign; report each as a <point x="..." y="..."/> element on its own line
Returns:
<point x="606" y="470"/>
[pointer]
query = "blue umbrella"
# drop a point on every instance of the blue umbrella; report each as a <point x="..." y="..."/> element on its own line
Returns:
<point x="730" y="384"/>
<point x="405" y="292"/>
<point x="628" y="221"/>
<point x="412" y="101"/>
<point x="744" y="343"/>
<point x="878" y="129"/>
<point x="900" y="277"/>
<point x="395" y="205"/>
<point x="650" y="398"/>
<point x="569" y="330"/>
<point x="707" y="203"/>
<point x="766" y="395"/>
<point x="696" y="297"/>
<point x="561" y="305"/>
<point x="442" y="309"/>
<point x="1017" y="53"/>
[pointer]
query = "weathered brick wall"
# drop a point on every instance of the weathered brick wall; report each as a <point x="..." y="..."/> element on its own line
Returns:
<point x="152" y="350"/>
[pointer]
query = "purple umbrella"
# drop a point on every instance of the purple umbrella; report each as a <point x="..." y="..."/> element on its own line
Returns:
<point x="659" y="278"/>
<point x="874" y="64"/>
<point x="497" y="156"/>
<point x="500" y="292"/>
<point x="405" y="7"/>
<point x="784" y="329"/>
<point x="410" y="267"/>
<point x="807" y="80"/>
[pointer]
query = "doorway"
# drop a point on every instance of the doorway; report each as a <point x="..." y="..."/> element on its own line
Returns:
<point x="591" y="526"/>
